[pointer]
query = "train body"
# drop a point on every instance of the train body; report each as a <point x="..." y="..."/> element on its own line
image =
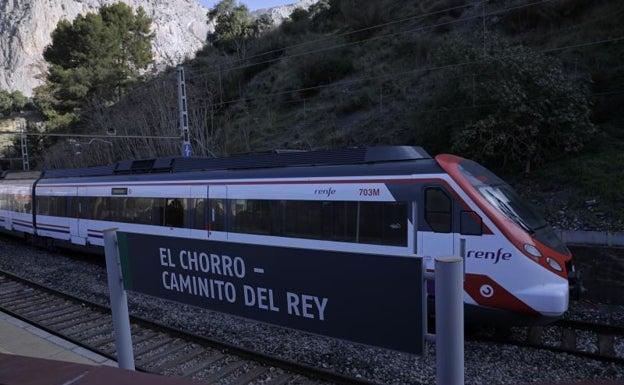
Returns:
<point x="393" y="201"/>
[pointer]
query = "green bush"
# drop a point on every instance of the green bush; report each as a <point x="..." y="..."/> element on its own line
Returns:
<point x="506" y="107"/>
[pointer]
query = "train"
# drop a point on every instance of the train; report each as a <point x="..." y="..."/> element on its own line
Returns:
<point x="385" y="200"/>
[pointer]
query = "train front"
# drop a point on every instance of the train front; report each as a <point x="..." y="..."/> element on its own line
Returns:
<point x="534" y="276"/>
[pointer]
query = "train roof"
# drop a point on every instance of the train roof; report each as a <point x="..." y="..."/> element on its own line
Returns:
<point x="14" y="175"/>
<point x="274" y="159"/>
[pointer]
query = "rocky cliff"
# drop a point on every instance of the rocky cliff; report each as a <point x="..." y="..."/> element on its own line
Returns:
<point x="278" y="14"/>
<point x="26" y="25"/>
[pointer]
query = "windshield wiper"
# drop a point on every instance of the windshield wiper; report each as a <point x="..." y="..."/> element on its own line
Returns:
<point x="511" y="214"/>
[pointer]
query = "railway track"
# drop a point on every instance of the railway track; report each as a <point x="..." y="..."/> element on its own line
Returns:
<point x="581" y="338"/>
<point x="157" y="348"/>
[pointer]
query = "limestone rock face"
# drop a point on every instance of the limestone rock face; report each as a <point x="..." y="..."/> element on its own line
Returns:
<point x="26" y="25"/>
<point x="280" y="13"/>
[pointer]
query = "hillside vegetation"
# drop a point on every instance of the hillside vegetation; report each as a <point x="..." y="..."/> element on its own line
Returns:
<point x="532" y="89"/>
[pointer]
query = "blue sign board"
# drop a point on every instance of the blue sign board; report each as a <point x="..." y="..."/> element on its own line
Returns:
<point x="186" y="149"/>
<point x="371" y="299"/>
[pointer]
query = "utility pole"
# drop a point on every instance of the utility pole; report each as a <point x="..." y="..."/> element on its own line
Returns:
<point x="24" y="142"/>
<point x="184" y="130"/>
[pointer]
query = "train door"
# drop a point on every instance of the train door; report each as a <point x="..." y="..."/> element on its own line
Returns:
<point x="80" y="231"/>
<point x="217" y="209"/>
<point x="436" y="237"/>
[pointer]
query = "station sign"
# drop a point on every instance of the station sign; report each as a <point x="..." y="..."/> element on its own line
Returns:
<point x="371" y="299"/>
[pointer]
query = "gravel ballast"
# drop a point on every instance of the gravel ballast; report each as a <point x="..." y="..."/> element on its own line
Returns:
<point x="484" y="363"/>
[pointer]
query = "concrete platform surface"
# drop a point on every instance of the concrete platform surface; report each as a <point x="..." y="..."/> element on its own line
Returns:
<point x="18" y="337"/>
<point x="32" y="356"/>
<point x="20" y="370"/>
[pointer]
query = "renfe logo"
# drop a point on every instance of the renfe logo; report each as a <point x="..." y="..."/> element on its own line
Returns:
<point x="491" y="255"/>
<point x="329" y="191"/>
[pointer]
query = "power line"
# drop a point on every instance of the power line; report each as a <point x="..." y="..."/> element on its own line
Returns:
<point x="203" y="73"/>
<point x="419" y="29"/>
<point x="95" y="136"/>
<point x="414" y="71"/>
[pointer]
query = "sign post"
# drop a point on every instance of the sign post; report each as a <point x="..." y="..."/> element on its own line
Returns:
<point x="449" y="313"/>
<point x="119" y="302"/>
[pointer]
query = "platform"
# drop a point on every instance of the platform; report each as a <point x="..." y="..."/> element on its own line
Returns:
<point x="20" y="338"/>
<point x="32" y="356"/>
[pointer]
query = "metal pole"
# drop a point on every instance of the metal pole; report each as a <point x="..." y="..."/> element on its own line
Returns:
<point x="449" y="308"/>
<point x="119" y="302"/>
<point x="184" y="129"/>
<point x="24" y="143"/>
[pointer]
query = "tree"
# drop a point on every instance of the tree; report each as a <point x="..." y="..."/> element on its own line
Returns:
<point x="98" y="55"/>
<point x="11" y="102"/>
<point x="19" y="101"/>
<point x="234" y="27"/>
<point x="5" y="103"/>
<point x="505" y="105"/>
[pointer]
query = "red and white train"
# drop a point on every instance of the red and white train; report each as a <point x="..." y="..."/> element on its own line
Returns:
<point x="391" y="200"/>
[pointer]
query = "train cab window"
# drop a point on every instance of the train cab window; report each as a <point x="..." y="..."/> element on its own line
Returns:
<point x="438" y="210"/>
<point x="383" y="223"/>
<point x="470" y="223"/>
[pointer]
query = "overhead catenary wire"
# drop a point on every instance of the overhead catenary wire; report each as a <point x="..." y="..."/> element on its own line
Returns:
<point x="389" y="35"/>
<point x="202" y="73"/>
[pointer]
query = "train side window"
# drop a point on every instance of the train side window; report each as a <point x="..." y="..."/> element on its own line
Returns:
<point x="117" y="207"/>
<point x="43" y="205"/>
<point x="198" y="207"/>
<point x="75" y="206"/>
<point x="142" y="210"/>
<point x="217" y="214"/>
<point x="250" y="216"/>
<point x="340" y="221"/>
<point x="303" y="219"/>
<point x="383" y="223"/>
<point x="438" y="210"/>
<point x="158" y="211"/>
<point x="96" y="207"/>
<point x="174" y="212"/>
<point x="470" y="223"/>
<point x="60" y="206"/>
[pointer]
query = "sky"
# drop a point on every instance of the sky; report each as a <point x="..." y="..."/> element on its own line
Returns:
<point x="251" y="4"/>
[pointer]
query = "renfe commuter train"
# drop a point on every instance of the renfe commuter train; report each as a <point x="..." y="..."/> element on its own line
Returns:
<point x="389" y="200"/>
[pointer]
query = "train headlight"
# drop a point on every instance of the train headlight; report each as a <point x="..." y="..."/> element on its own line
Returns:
<point x="554" y="264"/>
<point x="532" y="250"/>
